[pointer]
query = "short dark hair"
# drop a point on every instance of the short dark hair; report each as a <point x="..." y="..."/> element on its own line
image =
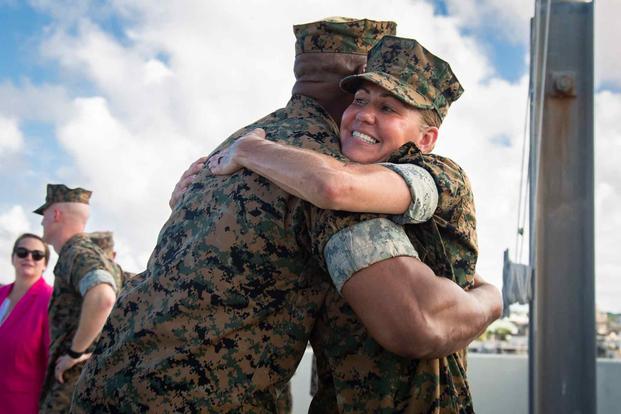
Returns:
<point x="46" y="249"/>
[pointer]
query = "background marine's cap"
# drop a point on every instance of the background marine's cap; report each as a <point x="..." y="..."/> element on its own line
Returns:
<point x="104" y="240"/>
<point x="60" y="193"/>
<point x="341" y="35"/>
<point x="411" y="73"/>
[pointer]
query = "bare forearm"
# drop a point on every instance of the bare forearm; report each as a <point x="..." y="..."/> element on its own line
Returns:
<point x="293" y="169"/>
<point x="324" y="181"/>
<point x="96" y="307"/>
<point x="457" y="316"/>
<point x="413" y="313"/>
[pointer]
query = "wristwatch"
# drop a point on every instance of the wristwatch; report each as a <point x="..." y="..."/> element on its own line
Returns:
<point x="73" y="354"/>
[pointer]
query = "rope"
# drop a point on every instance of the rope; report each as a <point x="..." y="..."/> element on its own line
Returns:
<point x="538" y="76"/>
<point x="521" y="213"/>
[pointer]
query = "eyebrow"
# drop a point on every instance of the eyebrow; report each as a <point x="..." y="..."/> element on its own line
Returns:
<point x="385" y="94"/>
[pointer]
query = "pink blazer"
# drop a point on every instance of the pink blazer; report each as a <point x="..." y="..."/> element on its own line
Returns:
<point x="24" y="343"/>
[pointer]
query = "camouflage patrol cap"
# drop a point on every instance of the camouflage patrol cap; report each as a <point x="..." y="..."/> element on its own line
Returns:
<point x="104" y="240"/>
<point x="411" y="73"/>
<point x="60" y="193"/>
<point x="341" y="35"/>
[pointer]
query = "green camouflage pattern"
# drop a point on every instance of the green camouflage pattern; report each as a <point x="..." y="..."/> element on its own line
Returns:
<point x="212" y="327"/>
<point x="221" y="317"/>
<point x="105" y="241"/>
<point x="60" y="193"/>
<point x="78" y="256"/>
<point x="127" y="276"/>
<point x="411" y="73"/>
<point x="362" y="248"/>
<point x="341" y="35"/>
<point x="355" y="374"/>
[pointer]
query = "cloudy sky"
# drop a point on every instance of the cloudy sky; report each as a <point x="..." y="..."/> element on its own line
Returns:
<point x="121" y="96"/>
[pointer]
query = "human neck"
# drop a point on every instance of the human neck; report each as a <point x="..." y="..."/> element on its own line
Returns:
<point x="67" y="233"/>
<point x="318" y="75"/>
<point x="327" y="94"/>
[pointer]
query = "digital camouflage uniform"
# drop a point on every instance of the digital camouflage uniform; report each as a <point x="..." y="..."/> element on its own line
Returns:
<point x="356" y="375"/>
<point x="77" y="259"/>
<point x="221" y="317"/>
<point x="79" y="268"/>
<point x="364" y="376"/>
<point x="105" y="241"/>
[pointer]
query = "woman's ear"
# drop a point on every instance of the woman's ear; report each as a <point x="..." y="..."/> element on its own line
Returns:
<point x="428" y="139"/>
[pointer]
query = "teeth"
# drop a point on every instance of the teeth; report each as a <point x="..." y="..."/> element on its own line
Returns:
<point x="364" y="137"/>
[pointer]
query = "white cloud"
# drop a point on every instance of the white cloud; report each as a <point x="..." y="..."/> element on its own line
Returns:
<point x="510" y="19"/>
<point x="505" y="18"/>
<point x="46" y="103"/>
<point x="186" y="74"/>
<point x="607" y="197"/>
<point x="131" y="172"/>
<point x="607" y="33"/>
<point x="11" y="139"/>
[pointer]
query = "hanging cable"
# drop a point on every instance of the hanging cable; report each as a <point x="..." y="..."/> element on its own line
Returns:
<point x="519" y="232"/>
<point x="538" y="75"/>
<point x="541" y="92"/>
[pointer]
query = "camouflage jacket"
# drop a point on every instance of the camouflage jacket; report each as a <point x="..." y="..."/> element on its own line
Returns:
<point x="78" y="257"/>
<point x="356" y="375"/>
<point x="221" y="317"/>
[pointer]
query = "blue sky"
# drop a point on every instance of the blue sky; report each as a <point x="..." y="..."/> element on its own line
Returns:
<point x="120" y="97"/>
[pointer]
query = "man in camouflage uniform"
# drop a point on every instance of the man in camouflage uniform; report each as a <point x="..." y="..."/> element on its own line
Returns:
<point x="105" y="241"/>
<point x="85" y="282"/>
<point x="222" y="316"/>
<point x="356" y="374"/>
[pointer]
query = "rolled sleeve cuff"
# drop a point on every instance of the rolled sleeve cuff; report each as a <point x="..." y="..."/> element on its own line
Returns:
<point x="96" y="277"/>
<point x="363" y="244"/>
<point x="424" y="193"/>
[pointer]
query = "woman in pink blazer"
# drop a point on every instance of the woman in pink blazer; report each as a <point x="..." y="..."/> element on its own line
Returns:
<point x="24" y="332"/>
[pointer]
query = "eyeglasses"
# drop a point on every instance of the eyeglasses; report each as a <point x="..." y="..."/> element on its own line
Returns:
<point x="23" y="252"/>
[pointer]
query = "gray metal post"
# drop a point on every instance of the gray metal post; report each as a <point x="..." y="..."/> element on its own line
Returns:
<point x="565" y="351"/>
<point x="535" y="49"/>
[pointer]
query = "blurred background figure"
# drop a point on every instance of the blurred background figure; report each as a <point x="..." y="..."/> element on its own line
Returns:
<point x="105" y="241"/>
<point x="24" y="329"/>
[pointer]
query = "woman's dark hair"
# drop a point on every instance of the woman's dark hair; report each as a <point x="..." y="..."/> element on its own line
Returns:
<point x="46" y="249"/>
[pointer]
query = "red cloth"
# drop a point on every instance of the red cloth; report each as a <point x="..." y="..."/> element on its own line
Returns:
<point x="24" y="343"/>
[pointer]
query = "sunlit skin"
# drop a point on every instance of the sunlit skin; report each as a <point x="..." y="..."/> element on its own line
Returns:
<point x="47" y="222"/>
<point x="376" y="124"/>
<point x="27" y="268"/>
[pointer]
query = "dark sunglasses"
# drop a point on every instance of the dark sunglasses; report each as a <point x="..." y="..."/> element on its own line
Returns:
<point x="23" y="252"/>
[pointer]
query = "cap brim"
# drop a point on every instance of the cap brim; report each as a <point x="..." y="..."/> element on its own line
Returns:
<point x="402" y="91"/>
<point x="41" y="209"/>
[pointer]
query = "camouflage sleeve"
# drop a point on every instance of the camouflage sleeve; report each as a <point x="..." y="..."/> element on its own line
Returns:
<point x="423" y="190"/>
<point x="94" y="278"/>
<point x="91" y="267"/>
<point x="358" y="246"/>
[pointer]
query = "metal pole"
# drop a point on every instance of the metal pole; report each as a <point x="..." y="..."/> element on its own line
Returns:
<point x="565" y="351"/>
<point x="532" y="161"/>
